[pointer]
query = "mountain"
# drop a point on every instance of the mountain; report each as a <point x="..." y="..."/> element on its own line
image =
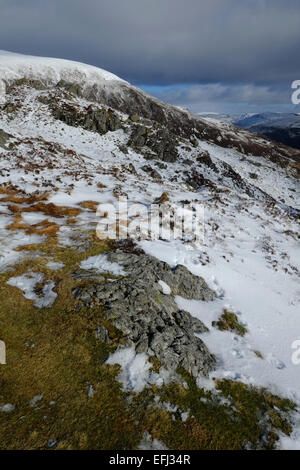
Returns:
<point x="280" y="127"/>
<point x="149" y="270"/>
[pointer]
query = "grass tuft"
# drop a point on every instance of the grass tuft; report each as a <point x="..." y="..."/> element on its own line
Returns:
<point x="228" y="321"/>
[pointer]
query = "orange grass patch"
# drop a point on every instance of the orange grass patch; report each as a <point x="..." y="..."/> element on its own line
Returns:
<point x="45" y="227"/>
<point x="25" y="199"/>
<point x="48" y="209"/>
<point x="92" y="205"/>
<point x="7" y="190"/>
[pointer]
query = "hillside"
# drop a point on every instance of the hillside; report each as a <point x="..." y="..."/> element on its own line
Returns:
<point x="149" y="341"/>
<point x="279" y="127"/>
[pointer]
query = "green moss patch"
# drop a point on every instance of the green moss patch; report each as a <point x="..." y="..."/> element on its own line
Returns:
<point x="234" y="416"/>
<point x="66" y="397"/>
<point x="228" y="321"/>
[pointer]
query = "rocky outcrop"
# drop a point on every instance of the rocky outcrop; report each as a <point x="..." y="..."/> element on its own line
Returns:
<point x="151" y="171"/>
<point x="4" y="137"/>
<point x="132" y="101"/>
<point x="91" y="118"/>
<point x="160" y="142"/>
<point x="149" y="319"/>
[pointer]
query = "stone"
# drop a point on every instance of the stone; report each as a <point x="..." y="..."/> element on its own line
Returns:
<point x="150" y="321"/>
<point x="102" y="334"/>
<point x="3" y="138"/>
<point x="92" y="118"/>
<point x="151" y="171"/>
<point x="134" y="118"/>
<point x="162" y="143"/>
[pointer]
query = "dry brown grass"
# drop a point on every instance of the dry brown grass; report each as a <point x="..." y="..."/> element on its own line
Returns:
<point x="8" y="190"/>
<point x="45" y="227"/>
<point x="17" y="199"/>
<point x="53" y="210"/>
<point x="54" y="352"/>
<point x="92" y="205"/>
<point x="163" y="198"/>
<point x="50" y="209"/>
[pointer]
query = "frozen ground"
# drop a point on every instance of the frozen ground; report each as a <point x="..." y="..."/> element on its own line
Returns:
<point x="250" y="255"/>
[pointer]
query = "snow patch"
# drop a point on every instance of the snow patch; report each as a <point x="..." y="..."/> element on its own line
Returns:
<point x="165" y="288"/>
<point x="27" y="283"/>
<point x="101" y="264"/>
<point x="135" y="367"/>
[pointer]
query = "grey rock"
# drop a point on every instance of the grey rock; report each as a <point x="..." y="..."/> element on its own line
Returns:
<point x="150" y="321"/>
<point x="4" y="137"/>
<point x="151" y="171"/>
<point x="102" y="334"/>
<point x="162" y="143"/>
<point x="87" y="275"/>
<point x="123" y="149"/>
<point x="91" y="118"/>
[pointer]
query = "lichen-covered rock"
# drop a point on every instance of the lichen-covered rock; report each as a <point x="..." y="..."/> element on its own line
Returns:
<point x="150" y="321"/>
<point x="3" y="138"/>
<point x="151" y="171"/>
<point x="162" y="143"/>
<point x="102" y="334"/>
<point x="91" y="118"/>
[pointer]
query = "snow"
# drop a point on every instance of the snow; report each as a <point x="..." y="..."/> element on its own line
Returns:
<point x="33" y="217"/>
<point x="54" y="265"/>
<point x="135" y="367"/>
<point x="165" y="288"/>
<point x="14" y="66"/>
<point x="7" y="408"/>
<point x="101" y="264"/>
<point x="27" y="283"/>
<point x="148" y="443"/>
<point x="136" y="373"/>
<point x="249" y="255"/>
<point x="33" y="402"/>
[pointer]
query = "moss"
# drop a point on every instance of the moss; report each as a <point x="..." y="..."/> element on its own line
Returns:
<point x="258" y="354"/>
<point x="54" y="352"/>
<point x="156" y="364"/>
<point x="228" y="321"/>
<point x="249" y="418"/>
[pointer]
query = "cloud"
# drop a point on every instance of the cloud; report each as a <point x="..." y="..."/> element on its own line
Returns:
<point x="245" y="53"/>
<point x="163" y="41"/>
<point x="219" y="97"/>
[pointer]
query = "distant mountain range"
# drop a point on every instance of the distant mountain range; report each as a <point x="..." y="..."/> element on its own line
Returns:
<point x="281" y="127"/>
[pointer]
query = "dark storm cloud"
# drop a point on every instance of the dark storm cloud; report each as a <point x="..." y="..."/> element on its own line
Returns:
<point x="220" y="97"/>
<point x="163" y="42"/>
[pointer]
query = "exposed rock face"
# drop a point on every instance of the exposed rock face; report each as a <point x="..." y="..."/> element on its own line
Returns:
<point x="149" y="319"/>
<point x="3" y="138"/>
<point x="92" y="118"/>
<point x="133" y="101"/>
<point x="151" y="171"/>
<point x="123" y="97"/>
<point x="159" y="141"/>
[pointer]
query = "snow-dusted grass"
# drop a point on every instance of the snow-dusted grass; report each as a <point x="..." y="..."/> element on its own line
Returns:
<point x="28" y="282"/>
<point x="101" y="264"/>
<point x="250" y="257"/>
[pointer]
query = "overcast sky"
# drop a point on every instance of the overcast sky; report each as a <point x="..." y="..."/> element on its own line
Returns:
<point x="209" y="55"/>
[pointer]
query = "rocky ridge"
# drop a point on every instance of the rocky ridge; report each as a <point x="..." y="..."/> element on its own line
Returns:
<point x="149" y="319"/>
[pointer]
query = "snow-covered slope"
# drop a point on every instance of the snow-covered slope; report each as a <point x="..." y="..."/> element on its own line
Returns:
<point x="281" y="127"/>
<point x="14" y="66"/>
<point x="62" y="154"/>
